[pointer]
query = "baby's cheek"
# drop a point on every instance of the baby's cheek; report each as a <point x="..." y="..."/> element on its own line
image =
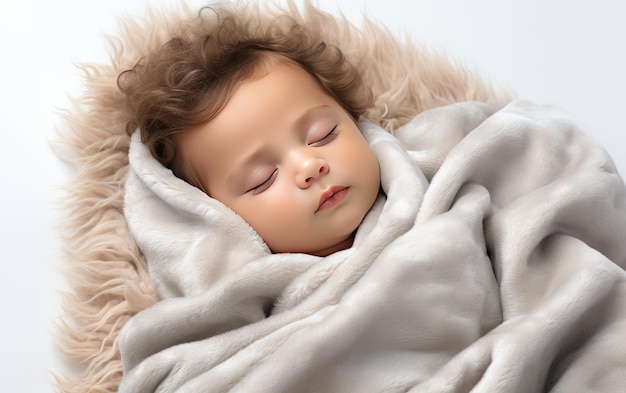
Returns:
<point x="289" y="231"/>
<point x="273" y="221"/>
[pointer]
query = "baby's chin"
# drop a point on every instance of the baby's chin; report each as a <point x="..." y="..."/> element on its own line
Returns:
<point x="343" y="245"/>
<point x="320" y="250"/>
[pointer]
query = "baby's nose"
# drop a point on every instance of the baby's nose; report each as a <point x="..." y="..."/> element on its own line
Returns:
<point x="310" y="170"/>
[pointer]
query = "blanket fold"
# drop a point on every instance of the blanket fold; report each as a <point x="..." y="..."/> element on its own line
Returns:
<point x="493" y="260"/>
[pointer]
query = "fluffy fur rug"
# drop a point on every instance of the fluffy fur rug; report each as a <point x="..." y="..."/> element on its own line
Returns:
<point x="105" y="268"/>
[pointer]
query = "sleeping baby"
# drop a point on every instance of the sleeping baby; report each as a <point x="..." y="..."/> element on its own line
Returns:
<point x="299" y="247"/>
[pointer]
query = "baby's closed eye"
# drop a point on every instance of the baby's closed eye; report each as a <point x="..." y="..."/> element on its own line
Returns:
<point x="264" y="183"/>
<point x="325" y="139"/>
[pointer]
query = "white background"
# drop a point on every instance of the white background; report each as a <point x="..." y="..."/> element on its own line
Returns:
<point x="560" y="52"/>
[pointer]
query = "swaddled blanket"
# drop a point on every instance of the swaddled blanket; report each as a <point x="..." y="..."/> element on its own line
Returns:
<point x="493" y="262"/>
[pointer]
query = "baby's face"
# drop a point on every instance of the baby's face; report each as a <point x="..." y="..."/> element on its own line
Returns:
<point x="286" y="157"/>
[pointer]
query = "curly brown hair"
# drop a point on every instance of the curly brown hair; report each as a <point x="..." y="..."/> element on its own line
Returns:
<point x="188" y="80"/>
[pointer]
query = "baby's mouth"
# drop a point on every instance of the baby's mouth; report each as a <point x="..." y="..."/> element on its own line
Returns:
<point x="331" y="197"/>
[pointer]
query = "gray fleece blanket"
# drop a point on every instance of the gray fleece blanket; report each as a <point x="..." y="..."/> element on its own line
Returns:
<point x="493" y="262"/>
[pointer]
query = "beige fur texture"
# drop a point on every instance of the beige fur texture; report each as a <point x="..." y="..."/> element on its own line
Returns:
<point x="104" y="267"/>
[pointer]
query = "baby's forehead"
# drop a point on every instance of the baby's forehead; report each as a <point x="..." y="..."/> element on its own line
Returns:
<point x="270" y="61"/>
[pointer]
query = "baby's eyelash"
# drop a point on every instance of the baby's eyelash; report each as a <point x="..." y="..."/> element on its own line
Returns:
<point x="327" y="138"/>
<point x="265" y="184"/>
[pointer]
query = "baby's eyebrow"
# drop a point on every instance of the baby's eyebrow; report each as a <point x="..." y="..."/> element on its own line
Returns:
<point x="246" y="161"/>
<point x="310" y="115"/>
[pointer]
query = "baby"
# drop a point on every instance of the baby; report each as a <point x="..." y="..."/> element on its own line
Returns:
<point x="266" y="126"/>
<point x="500" y="231"/>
